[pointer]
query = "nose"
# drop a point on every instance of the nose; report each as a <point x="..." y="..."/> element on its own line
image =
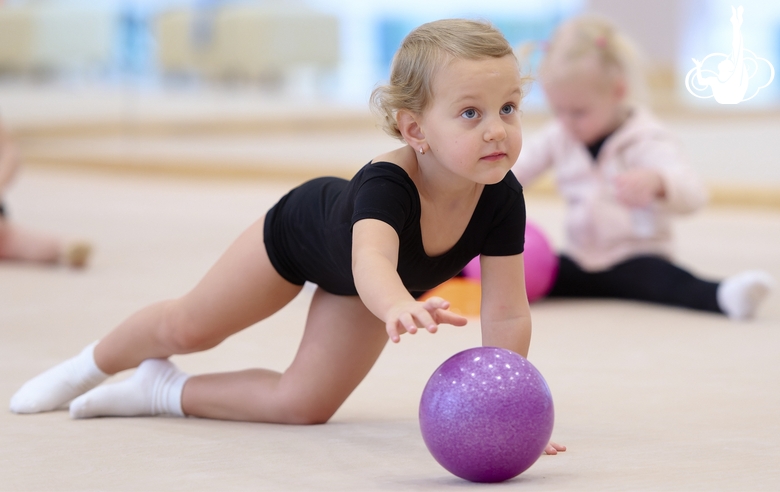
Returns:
<point x="494" y="130"/>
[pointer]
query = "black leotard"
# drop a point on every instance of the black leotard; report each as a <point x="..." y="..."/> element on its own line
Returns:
<point x="308" y="233"/>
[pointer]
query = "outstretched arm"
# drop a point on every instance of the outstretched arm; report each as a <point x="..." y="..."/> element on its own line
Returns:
<point x="374" y="264"/>
<point x="506" y="316"/>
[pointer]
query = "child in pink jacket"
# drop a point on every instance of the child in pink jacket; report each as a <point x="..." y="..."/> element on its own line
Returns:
<point x="623" y="178"/>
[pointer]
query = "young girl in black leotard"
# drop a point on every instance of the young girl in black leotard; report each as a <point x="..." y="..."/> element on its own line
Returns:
<point x="407" y="221"/>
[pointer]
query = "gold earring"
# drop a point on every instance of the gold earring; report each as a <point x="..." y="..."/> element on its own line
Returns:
<point x="422" y="150"/>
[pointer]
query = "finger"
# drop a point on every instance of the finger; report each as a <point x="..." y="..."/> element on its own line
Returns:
<point x="391" y="327"/>
<point x="550" y="450"/>
<point x="408" y="323"/>
<point x="425" y="320"/>
<point x="554" y="448"/>
<point x="450" y="318"/>
<point x="441" y="313"/>
<point x="434" y="303"/>
<point x="558" y="447"/>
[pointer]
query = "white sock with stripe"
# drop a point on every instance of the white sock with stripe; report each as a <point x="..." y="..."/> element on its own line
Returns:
<point x="154" y="389"/>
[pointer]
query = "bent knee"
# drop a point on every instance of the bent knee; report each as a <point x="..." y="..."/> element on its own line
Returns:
<point x="308" y="417"/>
<point x="182" y="332"/>
<point x="306" y="411"/>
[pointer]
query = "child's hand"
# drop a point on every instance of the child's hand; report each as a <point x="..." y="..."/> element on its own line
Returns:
<point x="554" y="448"/>
<point x="639" y="187"/>
<point x="408" y="316"/>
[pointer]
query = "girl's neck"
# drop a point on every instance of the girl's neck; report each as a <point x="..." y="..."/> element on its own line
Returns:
<point x="434" y="182"/>
<point x="437" y="184"/>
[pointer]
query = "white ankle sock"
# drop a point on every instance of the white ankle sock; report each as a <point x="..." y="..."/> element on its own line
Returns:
<point x="154" y="389"/>
<point x="740" y="295"/>
<point x="60" y="384"/>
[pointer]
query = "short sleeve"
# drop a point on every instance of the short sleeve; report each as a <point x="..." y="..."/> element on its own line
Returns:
<point x="384" y="195"/>
<point x="507" y="234"/>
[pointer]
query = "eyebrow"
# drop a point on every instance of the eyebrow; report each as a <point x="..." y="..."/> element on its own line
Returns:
<point x="469" y="97"/>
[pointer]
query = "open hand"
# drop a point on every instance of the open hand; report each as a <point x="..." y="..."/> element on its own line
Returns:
<point x="554" y="448"/>
<point x="409" y="316"/>
<point x="639" y="187"/>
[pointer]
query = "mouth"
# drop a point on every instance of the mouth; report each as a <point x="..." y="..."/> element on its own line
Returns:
<point x="495" y="156"/>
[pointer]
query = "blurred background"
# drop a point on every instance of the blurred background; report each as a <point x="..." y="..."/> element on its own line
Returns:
<point x="280" y="87"/>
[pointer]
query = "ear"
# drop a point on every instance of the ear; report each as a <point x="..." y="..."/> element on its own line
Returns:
<point x="409" y="126"/>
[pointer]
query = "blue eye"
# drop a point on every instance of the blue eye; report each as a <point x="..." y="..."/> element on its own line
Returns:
<point x="508" y="109"/>
<point x="469" y="114"/>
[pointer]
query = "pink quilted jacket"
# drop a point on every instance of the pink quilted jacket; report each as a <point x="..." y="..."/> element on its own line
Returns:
<point x="600" y="231"/>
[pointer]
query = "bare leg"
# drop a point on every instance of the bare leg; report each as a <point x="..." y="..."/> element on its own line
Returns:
<point x="341" y="342"/>
<point x="18" y="243"/>
<point x="241" y="289"/>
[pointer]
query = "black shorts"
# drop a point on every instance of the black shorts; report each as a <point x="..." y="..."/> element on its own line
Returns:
<point x="276" y="255"/>
<point x="305" y="243"/>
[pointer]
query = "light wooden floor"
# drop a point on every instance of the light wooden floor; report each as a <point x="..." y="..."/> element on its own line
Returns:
<point x="647" y="398"/>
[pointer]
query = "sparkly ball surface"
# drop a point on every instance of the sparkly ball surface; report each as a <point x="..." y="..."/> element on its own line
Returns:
<point x="486" y="414"/>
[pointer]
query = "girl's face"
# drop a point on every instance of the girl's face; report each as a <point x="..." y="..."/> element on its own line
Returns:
<point x="589" y="108"/>
<point x="472" y="125"/>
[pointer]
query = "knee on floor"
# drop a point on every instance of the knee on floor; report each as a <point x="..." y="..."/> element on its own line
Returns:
<point x="306" y="410"/>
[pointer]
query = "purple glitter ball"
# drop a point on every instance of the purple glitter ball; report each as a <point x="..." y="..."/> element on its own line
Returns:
<point x="486" y="414"/>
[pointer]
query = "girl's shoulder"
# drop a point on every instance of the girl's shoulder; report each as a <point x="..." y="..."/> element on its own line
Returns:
<point x="397" y="165"/>
<point x="502" y="196"/>
<point x="509" y="184"/>
<point x="382" y="178"/>
<point x="403" y="157"/>
<point x="379" y="169"/>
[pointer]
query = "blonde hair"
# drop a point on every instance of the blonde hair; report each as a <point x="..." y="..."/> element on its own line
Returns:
<point x="422" y="53"/>
<point x="587" y="38"/>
